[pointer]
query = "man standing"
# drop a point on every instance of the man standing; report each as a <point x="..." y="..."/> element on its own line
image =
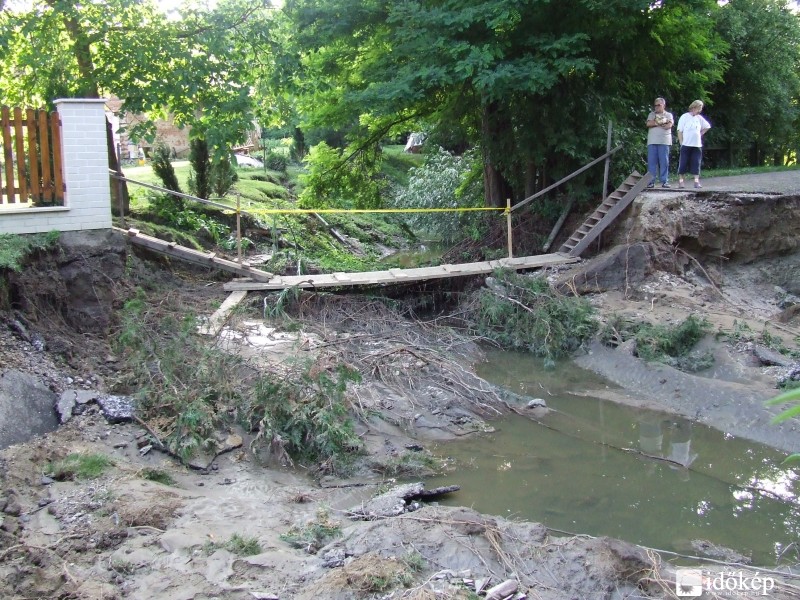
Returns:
<point x="659" y="140"/>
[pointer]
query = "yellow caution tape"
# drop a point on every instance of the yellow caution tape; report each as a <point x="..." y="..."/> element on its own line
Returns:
<point x="303" y="211"/>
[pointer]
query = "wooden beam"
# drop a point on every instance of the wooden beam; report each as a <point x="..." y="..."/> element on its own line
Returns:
<point x="406" y="275"/>
<point x="214" y="324"/>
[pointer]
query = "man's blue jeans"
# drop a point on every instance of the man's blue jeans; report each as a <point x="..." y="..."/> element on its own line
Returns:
<point x="658" y="161"/>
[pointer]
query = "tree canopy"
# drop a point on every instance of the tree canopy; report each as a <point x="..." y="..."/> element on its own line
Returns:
<point x="531" y="84"/>
<point x="197" y="67"/>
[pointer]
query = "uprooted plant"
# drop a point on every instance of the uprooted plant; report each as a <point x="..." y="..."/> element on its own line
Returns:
<point x="519" y="312"/>
<point x="672" y="345"/>
<point x="189" y="389"/>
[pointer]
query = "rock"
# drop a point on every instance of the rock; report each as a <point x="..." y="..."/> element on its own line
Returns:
<point x="712" y="550"/>
<point x="333" y="558"/>
<point x="388" y="504"/>
<point x="536" y="403"/>
<point x="398" y="500"/>
<point x="117" y="409"/>
<point x="502" y="590"/>
<point x="71" y="400"/>
<point x="769" y="357"/>
<point x="27" y="408"/>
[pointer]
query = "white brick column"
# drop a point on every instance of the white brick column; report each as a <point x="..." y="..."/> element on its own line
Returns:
<point x="85" y="161"/>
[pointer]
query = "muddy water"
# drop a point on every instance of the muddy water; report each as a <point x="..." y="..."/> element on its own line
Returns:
<point x="585" y="470"/>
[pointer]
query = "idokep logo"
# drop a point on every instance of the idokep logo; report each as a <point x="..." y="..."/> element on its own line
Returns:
<point x="689" y="582"/>
<point x="693" y="582"/>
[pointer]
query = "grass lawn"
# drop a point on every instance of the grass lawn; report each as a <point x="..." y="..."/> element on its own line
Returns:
<point x="746" y="170"/>
<point x="256" y="187"/>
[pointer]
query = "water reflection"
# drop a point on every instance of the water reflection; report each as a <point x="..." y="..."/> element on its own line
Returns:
<point x="678" y="447"/>
<point x="684" y="486"/>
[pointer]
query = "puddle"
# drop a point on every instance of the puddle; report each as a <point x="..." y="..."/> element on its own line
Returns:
<point x="600" y="468"/>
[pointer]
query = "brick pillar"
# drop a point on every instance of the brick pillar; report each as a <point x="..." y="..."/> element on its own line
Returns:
<point x="85" y="161"/>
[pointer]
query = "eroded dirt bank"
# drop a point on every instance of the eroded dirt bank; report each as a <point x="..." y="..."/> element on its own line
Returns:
<point x="125" y="536"/>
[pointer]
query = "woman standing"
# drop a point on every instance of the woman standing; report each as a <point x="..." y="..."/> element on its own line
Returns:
<point x="692" y="126"/>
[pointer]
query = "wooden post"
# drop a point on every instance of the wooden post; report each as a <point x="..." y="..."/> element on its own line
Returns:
<point x="508" y="224"/>
<point x="239" y="227"/>
<point x="120" y="187"/>
<point x="608" y="162"/>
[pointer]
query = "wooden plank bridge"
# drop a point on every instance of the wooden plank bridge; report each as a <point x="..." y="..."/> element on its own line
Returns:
<point x="256" y="279"/>
<point x="280" y="282"/>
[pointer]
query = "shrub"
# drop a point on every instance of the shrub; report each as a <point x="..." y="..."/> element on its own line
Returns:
<point x="15" y="248"/>
<point x="305" y="416"/>
<point x="314" y="534"/>
<point x="524" y="313"/>
<point x="277" y="161"/>
<point x="200" y="177"/>
<point x="162" y="167"/>
<point x="672" y="345"/>
<point x="444" y="181"/>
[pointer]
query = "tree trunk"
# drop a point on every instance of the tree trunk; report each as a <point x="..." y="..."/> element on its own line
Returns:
<point x="120" y="200"/>
<point x="530" y="179"/>
<point x="82" y="47"/>
<point x="495" y="186"/>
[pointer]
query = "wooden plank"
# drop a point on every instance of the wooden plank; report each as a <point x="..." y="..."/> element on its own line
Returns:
<point x="408" y="275"/>
<point x="33" y="156"/>
<point x="48" y="191"/>
<point x="5" y="122"/>
<point x="19" y="139"/>
<point x="214" y="324"/>
<point x="58" y="163"/>
<point x="192" y="255"/>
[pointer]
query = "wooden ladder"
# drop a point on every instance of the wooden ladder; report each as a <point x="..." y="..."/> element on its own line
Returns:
<point x="605" y="214"/>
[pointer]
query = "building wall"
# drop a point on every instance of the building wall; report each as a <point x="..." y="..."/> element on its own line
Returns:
<point x="87" y="199"/>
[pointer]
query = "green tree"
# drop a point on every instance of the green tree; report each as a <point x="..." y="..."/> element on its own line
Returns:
<point x="531" y="83"/>
<point x="756" y="108"/>
<point x="194" y="67"/>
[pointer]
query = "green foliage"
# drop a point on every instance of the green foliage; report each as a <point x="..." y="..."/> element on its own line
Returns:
<point x="200" y="159"/>
<point x="79" y="466"/>
<point x="792" y="396"/>
<point x="243" y="545"/>
<point x="14" y="248"/>
<point x="314" y="534"/>
<point x="160" y="66"/>
<point x="672" y="345"/>
<point x="755" y="107"/>
<point x="277" y="161"/>
<point x="223" y="176"/>
<point x="349" y="178"/>
<point x="157" y="475"/>
<point x="445" y="181"/>
<point x="237" y="544"/>
<point x="187" y="385"/>
<point x="304" y="415"/>
<point x="525" y="313"/>
<point x="531" y="84"/>
<point x="162" y="167"/>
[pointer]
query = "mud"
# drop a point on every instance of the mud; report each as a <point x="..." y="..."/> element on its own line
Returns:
<point x="125" y="536"/>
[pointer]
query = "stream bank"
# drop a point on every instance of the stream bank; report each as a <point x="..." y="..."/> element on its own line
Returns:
<point x="125" y="536"/>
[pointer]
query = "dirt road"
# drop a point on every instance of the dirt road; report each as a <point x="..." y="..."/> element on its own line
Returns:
<point x="779" y="182"/>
